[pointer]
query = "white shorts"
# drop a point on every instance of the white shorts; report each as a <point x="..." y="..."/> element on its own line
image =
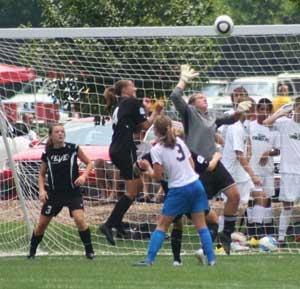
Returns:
<point x="289" y="187"/>
<point x="244" y="189"/>
<point x="267" y="186"/>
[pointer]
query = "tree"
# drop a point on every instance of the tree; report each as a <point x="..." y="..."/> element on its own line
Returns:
<point x="104" y="13"/>
<point x="14" y="13"/>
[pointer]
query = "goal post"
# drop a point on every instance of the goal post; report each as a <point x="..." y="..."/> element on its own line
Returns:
<point x="72" y="68"/>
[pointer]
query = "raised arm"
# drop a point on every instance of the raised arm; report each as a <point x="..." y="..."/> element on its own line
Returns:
<point x="187" y="75"/>
<point x="279" y="113"/>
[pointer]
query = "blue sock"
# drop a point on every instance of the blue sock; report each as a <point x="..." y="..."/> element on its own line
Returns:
<point x="156" y="241"/>
<point x="207" y="244"/>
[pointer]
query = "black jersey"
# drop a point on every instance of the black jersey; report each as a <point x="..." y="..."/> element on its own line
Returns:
<point x="62" y="168"/>
<point x="128" y="114"/>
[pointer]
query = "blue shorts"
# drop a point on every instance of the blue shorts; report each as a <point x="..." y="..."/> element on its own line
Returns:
<point x="187" y="199"/>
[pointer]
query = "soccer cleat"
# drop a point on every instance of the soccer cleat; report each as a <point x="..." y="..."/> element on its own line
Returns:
<point x="212" y="263"/>
<point x="226" y="242"/>
<point x="107" y="232"/>
<point x="90" y="256"/>
<point x="121" y="231"/>
<point x="236" y="247"/>
<point x="144" y="263"/>
<point x="177" y="264"/>
<point x="220" y="251"/>
<point x="199" y="254"/>
<point x="253" y="242"/>
<point x="31" y="257"/>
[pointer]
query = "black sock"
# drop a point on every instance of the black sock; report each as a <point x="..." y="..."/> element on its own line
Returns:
<point x="117" y="214"/>
<point x="269" y="228"/>
<point x="250" y="229"/>
<point x="34" y="242"/>
<point x="85" y="237"/>
<point x="259" y="230"/>
<point x="176" y="238"/>
<point x="229" y="224"/>
<point x="213" y="229"/>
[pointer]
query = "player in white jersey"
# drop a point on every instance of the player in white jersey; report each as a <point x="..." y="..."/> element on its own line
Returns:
<point x="289" y="129"/>
<point x="170" y="156"/>
<point x="236" y="161"/>
<point x="264" y="145"/>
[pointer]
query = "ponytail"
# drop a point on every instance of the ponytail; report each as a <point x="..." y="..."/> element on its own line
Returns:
<point x="110" y="98"/>
<point x="163" y="127"/>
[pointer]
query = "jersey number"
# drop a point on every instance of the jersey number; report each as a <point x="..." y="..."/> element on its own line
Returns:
<point x="48" y="210"/>
<point x="180" y="152"/>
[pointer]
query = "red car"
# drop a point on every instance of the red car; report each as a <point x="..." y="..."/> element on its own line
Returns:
<point x="93" y="137"/>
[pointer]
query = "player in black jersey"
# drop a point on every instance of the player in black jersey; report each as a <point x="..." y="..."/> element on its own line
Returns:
<point x="128" y="117"/>
<point x="59" y="162"/>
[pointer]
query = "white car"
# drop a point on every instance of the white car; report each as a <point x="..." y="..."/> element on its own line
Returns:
<point x="259" y="87"/>
<point x="17" y="142"/>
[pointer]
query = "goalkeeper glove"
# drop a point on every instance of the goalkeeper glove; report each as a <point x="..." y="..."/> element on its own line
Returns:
<point x="244" y="106"/>
<point x="187" y="73"/>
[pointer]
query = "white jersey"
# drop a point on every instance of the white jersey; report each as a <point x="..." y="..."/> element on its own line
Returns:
<point x="236" y="140"/>
<point x="262" y="139"/>
<point x="289" y="145"/>
<point x="176" y="163"/>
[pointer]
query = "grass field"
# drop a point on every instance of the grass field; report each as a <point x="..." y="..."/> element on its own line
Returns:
<point x="259" y="271"/>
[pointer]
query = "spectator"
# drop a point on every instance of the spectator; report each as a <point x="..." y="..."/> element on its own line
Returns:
<point x="282" y="98"/>
<point x="27" y="118"/>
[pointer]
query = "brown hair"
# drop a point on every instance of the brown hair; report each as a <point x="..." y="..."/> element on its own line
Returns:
<point x="49" y="144"/>
<point x="239" y="90"/>
<point x="193" y="97"/>
<point x="112" y="92"/>
<point x="163" y="126"/>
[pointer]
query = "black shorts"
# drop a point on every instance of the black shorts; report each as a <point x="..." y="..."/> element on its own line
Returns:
<point x="53" y="206"/>
<point x="216" y="181"/>
<point x="124" y="162"/>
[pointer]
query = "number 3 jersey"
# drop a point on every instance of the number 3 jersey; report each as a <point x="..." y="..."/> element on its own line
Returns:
<point x="62" y="169"/>
<point x="176" y="163"/>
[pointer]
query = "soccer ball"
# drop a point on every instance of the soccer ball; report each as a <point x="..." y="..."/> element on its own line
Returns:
<point x="224" y="25"/>
<point x="239" y="238"/>
<point x="267" y="244"/>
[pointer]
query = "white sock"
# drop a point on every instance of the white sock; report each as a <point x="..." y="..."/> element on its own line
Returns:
<point x="221" y="224"/>
<point x="268" y="216"/>
<point x="258" y="214"/>
<point x="250" y="215"/>
<point x="284" y="222"/>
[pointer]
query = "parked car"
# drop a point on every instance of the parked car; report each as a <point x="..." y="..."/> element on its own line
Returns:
<point x="259" y="87"/>
<point x="93" y="138"/>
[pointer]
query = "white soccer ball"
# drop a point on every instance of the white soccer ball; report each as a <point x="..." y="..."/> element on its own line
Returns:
<point x="239" y="238"/>
<point x="224" y="25"/>
<point x="268" y="243"/>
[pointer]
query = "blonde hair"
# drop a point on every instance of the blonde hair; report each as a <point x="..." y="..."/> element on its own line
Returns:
<point x="163" y="127"/>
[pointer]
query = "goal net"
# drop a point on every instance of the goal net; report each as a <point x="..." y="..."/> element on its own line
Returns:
<point x="59" y="75"/>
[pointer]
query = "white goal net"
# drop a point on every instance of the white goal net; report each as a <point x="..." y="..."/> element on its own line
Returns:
<point x="59" y="75"/>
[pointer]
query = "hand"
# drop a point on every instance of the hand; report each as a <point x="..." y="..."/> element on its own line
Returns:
<point x="264" y="159"/>
<point x="144" y="164"/>
<point x="43" y="196"/>
<point x="257" y="181"/>
<point x="80" y="181"/>
<point x="217" y="155"/>
<point x="244" y="106"/>
<point x="187" y="73"/>
<point x="159" y="106"/>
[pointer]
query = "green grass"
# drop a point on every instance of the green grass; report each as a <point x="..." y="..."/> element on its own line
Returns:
<point x="259" y="271"/>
